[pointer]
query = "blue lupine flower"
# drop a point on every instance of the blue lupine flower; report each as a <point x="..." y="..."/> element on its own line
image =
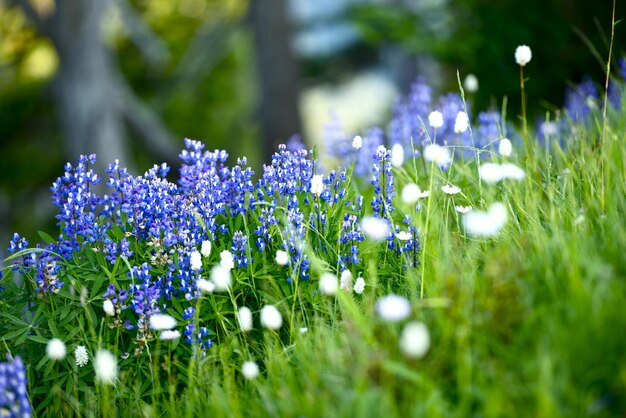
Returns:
<point x="14" y="400"/>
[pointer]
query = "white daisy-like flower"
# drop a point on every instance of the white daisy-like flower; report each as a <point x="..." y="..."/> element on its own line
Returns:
<point x="227" y="260"/>
<point x="169" y="335"/>
<point x="250" y="370"/>
<point x="108" y="308"/>
<point x="393" y="308"/>
<point x="55" y="349"/>
<point x="486" y="224"/>
<point x="375" y="229"/>
<point x="162" y="321"/>
<point x="205" y="286"/>
<point x="357" y="142"/>
<point x="397" y="155"/>
<point x="411" y="193"/>
<point x="461" y="123"/>
<point x="81" y="357"/>
<point x="490" y="172"/>
<point x="415" y="340"/>
<point x="345" y="280"/>
<point x="435" y="119"/>
<point x="328" y="284"/>
<point x="403" y="236"/>
<point x="511" y="171"/>
<point x="505" y="147"/>
<point x="244" y="316"/>
<point x="195" y="260"/>
<point x="450" y="189"/>
<point x="282" y="258"/>
<point x="523" y="55"/>
<point x="470" y="84"/>
<point x="317" y="184"/>
<point x="105" y="365"/>
<point x="303" y="330"/>
<point x="437" y="154"/>
<point x="221" y="278"/>
<point x="205" y="248"/>
<point x="462" y="209"/>
<point x="359" y="286"/>
<point x="271" y="317"/>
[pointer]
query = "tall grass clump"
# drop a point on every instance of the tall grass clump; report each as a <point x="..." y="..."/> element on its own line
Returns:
<point x="430" y="275"/>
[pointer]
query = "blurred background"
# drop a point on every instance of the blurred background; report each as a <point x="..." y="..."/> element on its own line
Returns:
<point x="129" y="79"/>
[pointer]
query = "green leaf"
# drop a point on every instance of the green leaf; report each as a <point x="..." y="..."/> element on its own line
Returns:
<point x="47" y="238"/>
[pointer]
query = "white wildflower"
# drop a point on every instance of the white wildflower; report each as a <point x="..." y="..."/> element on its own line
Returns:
<point x="461" y="123"/>
<point x="397" y="155"/>
<point x="328" y="284"/>
<point x="282" y="258"/>
<point x="345" y="280"/>
<point x="486" y="224"/>
<point x="250" y="370"/>
<point x="105" y="365"/>
<point x="221" y="278"/>
<point x="169" y="334"/>
<point x="205" y="249"/>
<point x="375" y="229"/>
<point x="81" y="356"/>
<point x="56" y="349"/>
<point x="303" y="330"/>
<point x="463" y="209"/>
<point x="511" y="171"/>
<point x="244" y="316"/>
<point x="317" y="184"/>
<point x="195" y="260"/>
<point x="357" y="142"/>
<point x="227" y="260"/>
<point x="490" y="172"/>
<point x="437" y="154"/>
<point x="162" y="321"/>
<point x="393" y="308"/>
<point x="505" y="147"/>
<point x="403" y="236"/>
<point x="271" y="317"/>
<point x="523" y="55"/>
<point x="108" y="307"/>
<point x="435" y="119"/>
<point x="450" y="189"/>
<point x="411" y="193"/>
<point x="415" y="340"/>
<point x="359" y="286"/>
<point x="205" y="286"/>
<point x="470" y="84"/>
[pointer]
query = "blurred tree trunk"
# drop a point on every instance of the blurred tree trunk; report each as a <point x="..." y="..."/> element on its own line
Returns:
<point x="277" y="73"/>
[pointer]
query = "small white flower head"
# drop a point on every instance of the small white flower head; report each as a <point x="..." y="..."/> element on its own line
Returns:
<point x="244" y="316"/>
<point x="470" y="84"/>
<point x="397" y="155"/>
<point x="345" y="280"/>
<point x="461" y="123"/>
<point x="523" y="55"/>
<point x="227" y="260"/>
<point x="415" y="340"/>
<point x="505" y="147"/>
<point x="435" y="119"/>
<point x="375" y="229"/>
<point x="403" y="236"/>
<point x="437" y="154"/>
<point x="317" y="184"/>
<point x="105" y="365"/>
<point x="169" y="335"/>
<point x="221" y="278"/>
<point x="463" y="209"/>
<point x="579" y="219"/>
<point x="81" y="357"/>
<point x="195" y="260"/>
<point x="328" y="284"/>
<point x="205" y="286"/>
<point x="250" y="370"/>
<point x="450" y="189"/>
<point x="282" y="258"/>
<point x="411" y="193"/>
<point x="393" y="308"/>
<point x="271" y="317"/>
<point x="56" y="349"/>
<point x="205" y="249"/>
<point x="511" y="171"/>
<point x="108" y="307"/>
<point x="162" y="321"/>
<point x="490" y="172"/>
<point x="359" y="286"/>
<point x="357" y="142"/>
<point x="486" y="224"/>
<point x="303" y="330"/>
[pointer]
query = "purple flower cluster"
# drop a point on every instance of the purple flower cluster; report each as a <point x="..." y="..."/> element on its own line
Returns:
<point x="14" y="400"/>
